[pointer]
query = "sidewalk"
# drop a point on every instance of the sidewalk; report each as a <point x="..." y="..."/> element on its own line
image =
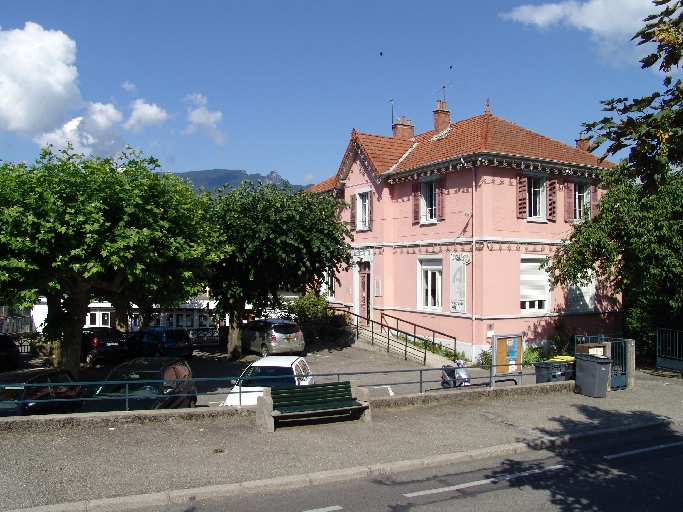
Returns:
<point x="206" y="455"/>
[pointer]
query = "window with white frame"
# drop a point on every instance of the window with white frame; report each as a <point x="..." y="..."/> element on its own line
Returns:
<point x="428" y="201"/>
<point x="580" y="297"/>
<point x="534" y="288"/>
<point x="429" y="286"/>
<point x="363" y="218"/>
<point x="330" y="283"/>
<point x="582" y="201"/>
<point x="535" y="198"/>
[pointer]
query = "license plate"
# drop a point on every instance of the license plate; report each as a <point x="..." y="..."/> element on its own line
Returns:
<point x="182" y="344"/>
<point x="112" y="344"/>
<point x="290" y="339"/>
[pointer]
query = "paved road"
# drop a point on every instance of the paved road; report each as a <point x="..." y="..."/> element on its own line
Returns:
<point x="639" y="471"/>
<point x="74" y="464"/>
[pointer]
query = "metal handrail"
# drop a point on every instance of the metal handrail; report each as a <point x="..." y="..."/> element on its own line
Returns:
<point x="415" y="326"/>
<point x="372" y="324"/>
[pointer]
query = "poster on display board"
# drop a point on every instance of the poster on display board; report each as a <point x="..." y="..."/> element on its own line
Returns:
<point x="507" y="353"/>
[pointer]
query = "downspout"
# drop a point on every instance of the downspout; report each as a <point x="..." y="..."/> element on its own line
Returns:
<point x="474" y="251"/>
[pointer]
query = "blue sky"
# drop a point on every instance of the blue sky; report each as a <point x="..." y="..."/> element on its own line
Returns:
<point x="266" y="86"/>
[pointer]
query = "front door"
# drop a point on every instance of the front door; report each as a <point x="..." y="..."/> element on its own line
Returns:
<point x="364" y="292"/>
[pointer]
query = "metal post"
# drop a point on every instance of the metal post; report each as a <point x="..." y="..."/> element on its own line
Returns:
<point x="126" y="396"/>
<point x="372" y="332"/>
<point x="405" y="356"/>
<point x="492" y="372"/>
<point x="420" y="381"/>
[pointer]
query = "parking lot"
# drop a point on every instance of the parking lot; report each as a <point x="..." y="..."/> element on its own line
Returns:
<point x="328" y="361"/>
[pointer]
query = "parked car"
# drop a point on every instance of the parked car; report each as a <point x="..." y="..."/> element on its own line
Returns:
<point x="38" y="387"/>
<point x="273" y="336"/>
<point x="163" y="341"/>
<point x="271" y="371"/>
<point x="10" y="358"/>
<point x="101" y="344"/>
<point x="149" y="383"/>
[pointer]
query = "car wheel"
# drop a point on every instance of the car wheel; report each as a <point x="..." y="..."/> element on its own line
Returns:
<point x="90" y="359"/>
<point x="192" y="403"/>
<point x="264" y="350"/>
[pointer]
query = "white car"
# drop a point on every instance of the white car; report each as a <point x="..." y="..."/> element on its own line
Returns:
<point x="270" y="371"/>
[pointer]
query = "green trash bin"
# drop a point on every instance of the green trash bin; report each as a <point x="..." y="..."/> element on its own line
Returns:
<point x="592" y="375"/>
<point x="548" y="371"/>
<point x="566" y="366"/>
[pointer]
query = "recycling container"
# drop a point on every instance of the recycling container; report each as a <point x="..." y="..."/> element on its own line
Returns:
<point x="566" y="365"/>
<point x="592" y="375"/>
<point x="548" y="371"/>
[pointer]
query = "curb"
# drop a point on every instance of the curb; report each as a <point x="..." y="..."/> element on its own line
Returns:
<point x="180" y="496"/>
<point x="463" y="396"/>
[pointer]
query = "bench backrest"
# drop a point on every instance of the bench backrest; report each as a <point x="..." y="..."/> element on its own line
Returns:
<point x="315" y="394"/>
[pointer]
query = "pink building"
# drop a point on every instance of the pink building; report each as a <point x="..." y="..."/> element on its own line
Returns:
<point x="451" y="227"/>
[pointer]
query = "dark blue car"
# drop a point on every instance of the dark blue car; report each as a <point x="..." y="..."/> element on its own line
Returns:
<point x="161" y="342"/>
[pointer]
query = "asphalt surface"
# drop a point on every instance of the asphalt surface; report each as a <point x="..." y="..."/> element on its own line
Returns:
<point x="101" y="467"/>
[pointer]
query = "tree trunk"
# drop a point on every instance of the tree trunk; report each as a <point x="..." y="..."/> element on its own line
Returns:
<point x="234" y="348"/>
<point x="122" y="309"/>
<point x="146" y="311"/>
<point x="76" y="309"/>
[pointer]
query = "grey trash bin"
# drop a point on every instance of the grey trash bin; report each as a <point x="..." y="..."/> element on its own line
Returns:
<point x="548" y="371"/>
<point x="592" y="375"/>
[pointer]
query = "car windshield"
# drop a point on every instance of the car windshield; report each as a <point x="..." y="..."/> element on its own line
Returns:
<point x="267" y="377"/>
<point x="139" y="383"/>
<point x="9" y="395"/>
<point x="286" y="328"/>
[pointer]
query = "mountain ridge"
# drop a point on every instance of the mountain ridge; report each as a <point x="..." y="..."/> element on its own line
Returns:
<point x="212" y="178"/>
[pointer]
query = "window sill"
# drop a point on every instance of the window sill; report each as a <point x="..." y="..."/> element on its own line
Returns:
<point x="360" y="230"/>
<point x="536" y="220"/>
<point x="430" y="308"/>
<point x="428" y="222"/>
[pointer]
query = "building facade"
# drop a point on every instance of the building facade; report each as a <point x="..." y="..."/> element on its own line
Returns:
<point x="451" y="228"/>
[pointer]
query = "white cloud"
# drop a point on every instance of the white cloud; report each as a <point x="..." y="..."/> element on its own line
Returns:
<point x="38" y="79"/>
<point x="196" y="98"/>
<point x="611" y="23"/>
<point x="309" y="178"/>
<point x="92" y="132"/>
<point x="144" y="114"/>
<point x="128" y="86"/>
<point x="203" y="118"/>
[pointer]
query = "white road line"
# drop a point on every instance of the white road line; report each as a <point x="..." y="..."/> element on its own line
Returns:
<point x="483" y="482"/>
<point x="642" y="450"/>
<point x="391" y="391"/>
<point x="326" y="509"/>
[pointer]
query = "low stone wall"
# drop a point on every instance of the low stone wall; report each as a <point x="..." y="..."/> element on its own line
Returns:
<point x="121" y="418"/>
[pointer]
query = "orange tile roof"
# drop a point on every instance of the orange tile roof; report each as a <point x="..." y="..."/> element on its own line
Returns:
<point x="485" y="133"/>
<point x="324" y="185"/>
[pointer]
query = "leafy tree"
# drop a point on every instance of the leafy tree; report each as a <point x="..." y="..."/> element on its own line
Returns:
<point x="281" y="240"/>
<point x="635" y="241"/>
<point x="75" y="228"/>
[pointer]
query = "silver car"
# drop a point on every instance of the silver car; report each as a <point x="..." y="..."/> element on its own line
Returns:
<point x="273" y="336"/>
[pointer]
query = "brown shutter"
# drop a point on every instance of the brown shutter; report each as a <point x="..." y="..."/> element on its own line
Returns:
<point x="568" y="201"/>
<point x="521" y="196"/>
<point x="370" y="209"/>
<point x="594" y="200"/>
<point x="416" y="203"/>
<point x="440" y="188"/>
<point x="353" y="211"/>
<point x="551" y="198"/>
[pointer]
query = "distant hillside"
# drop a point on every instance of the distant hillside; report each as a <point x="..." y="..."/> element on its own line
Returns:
<point x="212" y="178"/>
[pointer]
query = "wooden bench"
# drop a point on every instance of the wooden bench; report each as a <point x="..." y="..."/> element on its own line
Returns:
<point x="314" y="401"/>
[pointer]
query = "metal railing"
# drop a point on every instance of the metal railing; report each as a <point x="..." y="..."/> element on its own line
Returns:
<point x="669" y="349"/>
<point x="422" y="380"/>
<point x="415" y="327"/>
<point x="400" y="342"/>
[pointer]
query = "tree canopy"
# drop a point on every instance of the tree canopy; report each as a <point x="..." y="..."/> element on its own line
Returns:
<point x="282" y="240"/>
<point x="74" y="229"/>
<point x="635" y="241"/>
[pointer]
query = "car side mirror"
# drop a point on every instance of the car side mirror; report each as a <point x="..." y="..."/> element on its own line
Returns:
<point x="168" y="390"/>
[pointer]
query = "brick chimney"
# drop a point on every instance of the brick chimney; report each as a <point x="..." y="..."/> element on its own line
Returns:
<point x="583" y="143"/>
<point x="442" y="117"/>
<point x="403" y="129"/>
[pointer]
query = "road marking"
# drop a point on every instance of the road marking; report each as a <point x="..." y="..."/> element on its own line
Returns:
<point x="483" y="482"/>
<point x="391" y="391"/>
<point x="326" y="509"/>
<point x="642" y="450"/>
